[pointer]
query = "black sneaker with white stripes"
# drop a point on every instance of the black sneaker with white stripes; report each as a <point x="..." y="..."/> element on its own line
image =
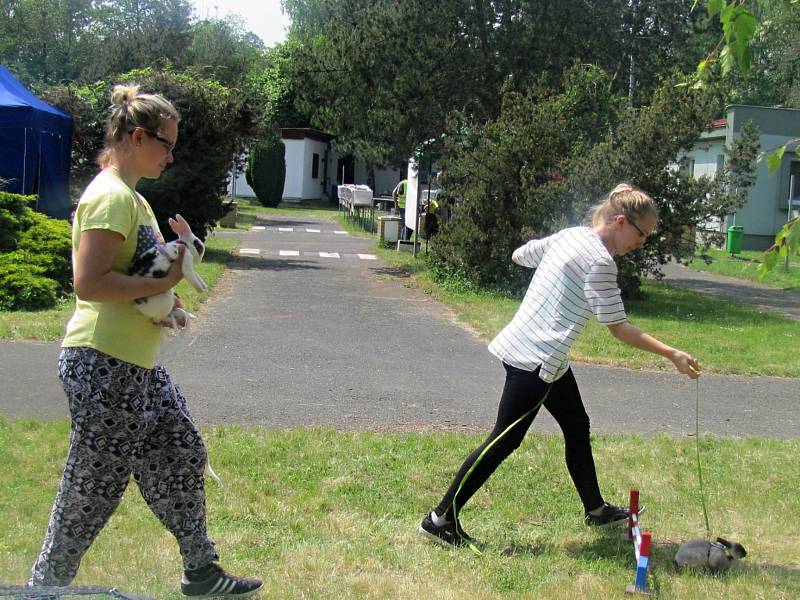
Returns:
<point x="609" y="515"/>
<point x="449" y="534"/>
<point x="212" y="582"/>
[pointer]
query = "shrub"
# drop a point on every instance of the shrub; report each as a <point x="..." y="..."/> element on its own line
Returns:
<point x="48" y="244"/>
<point x="247" y="177"/>
<point x="35" y="256"/>
<point x="266" y="170"/>
<point x="15" y="217"/>
<point x="23" y="287"/>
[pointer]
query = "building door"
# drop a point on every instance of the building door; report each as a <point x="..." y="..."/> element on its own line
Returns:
<point x="794" y="189"/>
<point x="345" y="170"/>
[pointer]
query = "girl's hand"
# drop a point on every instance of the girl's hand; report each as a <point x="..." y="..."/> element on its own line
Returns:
<point x="175" y="273"/>
<point x="686" y="364"/>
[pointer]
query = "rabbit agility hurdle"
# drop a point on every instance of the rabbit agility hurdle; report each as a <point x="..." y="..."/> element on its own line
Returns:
<point x="641" y="547"/>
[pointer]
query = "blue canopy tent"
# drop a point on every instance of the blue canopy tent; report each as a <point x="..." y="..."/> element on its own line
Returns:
<point x="35" y="144"/>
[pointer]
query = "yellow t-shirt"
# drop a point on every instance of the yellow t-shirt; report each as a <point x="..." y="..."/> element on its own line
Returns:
<point x="115" y="328"/>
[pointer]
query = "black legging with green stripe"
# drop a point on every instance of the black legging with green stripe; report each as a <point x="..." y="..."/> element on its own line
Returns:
<point x="523" y="390"/>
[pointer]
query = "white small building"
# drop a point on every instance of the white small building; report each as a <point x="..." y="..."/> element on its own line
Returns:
<point x="314" y="170"/>
<point x="767" y="207"/>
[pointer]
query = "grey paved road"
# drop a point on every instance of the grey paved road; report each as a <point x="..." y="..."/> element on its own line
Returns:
<point x="783" y="302"/>
<point x="305" y="340"/>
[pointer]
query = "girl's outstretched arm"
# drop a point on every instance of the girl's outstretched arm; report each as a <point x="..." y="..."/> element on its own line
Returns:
<point x="633" y="336"/>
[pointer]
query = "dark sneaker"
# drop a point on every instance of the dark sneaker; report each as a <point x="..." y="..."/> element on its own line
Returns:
<point x="610" y="515"/>
<point x="213" y="582"/>
<point x="451" y="534"/>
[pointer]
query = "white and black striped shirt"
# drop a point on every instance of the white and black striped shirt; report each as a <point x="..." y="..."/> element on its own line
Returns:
<point x="575" y="277"/>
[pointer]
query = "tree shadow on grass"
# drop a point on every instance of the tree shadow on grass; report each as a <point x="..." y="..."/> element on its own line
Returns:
<point x="388" y="271"/>
<point x="285" y="222"/>
<point x="218" y="256"/>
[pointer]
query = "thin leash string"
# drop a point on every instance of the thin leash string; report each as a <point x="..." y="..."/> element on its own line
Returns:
<point x="470" y="544"/>
<point x="702" y="488"/>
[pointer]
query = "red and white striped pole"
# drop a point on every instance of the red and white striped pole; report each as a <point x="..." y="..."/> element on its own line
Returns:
<point x="641" y="547"/>
<point x="633" y="516"/>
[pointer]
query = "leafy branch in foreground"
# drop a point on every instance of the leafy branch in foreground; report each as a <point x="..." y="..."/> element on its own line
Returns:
<point x="734" y="47"/>
<point x="786" y="245"/>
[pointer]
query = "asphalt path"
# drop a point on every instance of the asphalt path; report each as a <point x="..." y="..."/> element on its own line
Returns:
<point x="785" y="302"/>
<point x="292" y="338"/>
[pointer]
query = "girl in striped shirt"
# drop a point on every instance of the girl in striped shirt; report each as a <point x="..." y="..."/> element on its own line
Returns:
<point x="575" y="278"/>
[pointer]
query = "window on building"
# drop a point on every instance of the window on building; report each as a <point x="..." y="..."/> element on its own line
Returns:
<point x="315" y="166"/>
<point x="794" y="184"/>
<point x="720" y="164"/>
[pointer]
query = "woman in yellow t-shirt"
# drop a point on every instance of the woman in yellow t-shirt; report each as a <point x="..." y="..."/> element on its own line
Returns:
<point x="128" y="418"/>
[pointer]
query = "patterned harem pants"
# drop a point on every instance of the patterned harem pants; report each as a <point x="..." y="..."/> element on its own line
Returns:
<point x="125" y="420"/>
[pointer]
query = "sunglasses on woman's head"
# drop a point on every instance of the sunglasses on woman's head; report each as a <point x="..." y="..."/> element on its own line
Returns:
<point x="639" y="229"/>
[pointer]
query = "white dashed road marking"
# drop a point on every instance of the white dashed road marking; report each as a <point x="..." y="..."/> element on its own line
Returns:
<point x="291" y="229"/>
<point x="257" y="252"/>
<point x="290" y="253"/>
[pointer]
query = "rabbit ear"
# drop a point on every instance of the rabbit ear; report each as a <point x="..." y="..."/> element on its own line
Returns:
<point x="179" y="225"/>
<point x="724" y="542"/>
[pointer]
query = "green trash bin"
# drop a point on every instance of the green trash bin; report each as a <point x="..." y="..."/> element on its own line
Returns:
<point x="733" y="244"/>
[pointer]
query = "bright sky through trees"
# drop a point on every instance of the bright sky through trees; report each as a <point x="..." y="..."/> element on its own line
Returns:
<point x="262" y="17"/>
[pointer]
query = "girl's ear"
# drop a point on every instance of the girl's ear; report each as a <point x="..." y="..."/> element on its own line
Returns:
<point x="136" y="136"/>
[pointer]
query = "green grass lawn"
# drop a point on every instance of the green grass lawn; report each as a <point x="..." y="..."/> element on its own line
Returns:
<point x="321" y="514"/>
<point x="727" y="338"/>
<point x="745" y="266"/>
<point x="48" y="325"/>
<point x="249" y="208"/>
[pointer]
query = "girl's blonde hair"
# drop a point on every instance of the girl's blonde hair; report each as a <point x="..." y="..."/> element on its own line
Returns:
<point x="625" y="199"/>
<point x="130" y="109"/>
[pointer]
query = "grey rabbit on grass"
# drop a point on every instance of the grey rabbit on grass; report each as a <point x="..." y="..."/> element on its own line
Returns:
<point x="705" y="554"/>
